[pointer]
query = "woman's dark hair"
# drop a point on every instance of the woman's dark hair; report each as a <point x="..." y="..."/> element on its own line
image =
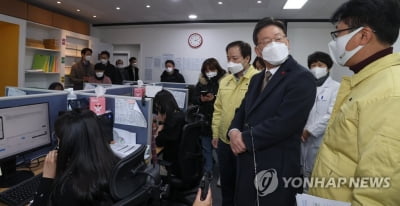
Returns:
<point x="165" y="103"/>
<point x="55" y="85"/>
<point x="320" y="56"/>
<point x="245" y="48"/>
<point x="267" y="21"/>
<point x="383" y="16"/>
<point x="85" y="159"/>
<point x="211" y="64"/>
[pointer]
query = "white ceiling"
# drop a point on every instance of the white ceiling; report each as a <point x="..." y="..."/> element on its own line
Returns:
<point x="135" y="11"/>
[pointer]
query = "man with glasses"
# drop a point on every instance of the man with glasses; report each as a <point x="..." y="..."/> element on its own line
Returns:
<point x="362" y="140"/>
<point x="265" y="132"/>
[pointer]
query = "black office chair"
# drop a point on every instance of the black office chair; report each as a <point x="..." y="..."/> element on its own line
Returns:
<point x="183" y="188"/>
<point x="133" y="182"/>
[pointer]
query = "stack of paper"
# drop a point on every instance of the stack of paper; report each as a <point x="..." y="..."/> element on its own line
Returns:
<point x="309" y="200"/>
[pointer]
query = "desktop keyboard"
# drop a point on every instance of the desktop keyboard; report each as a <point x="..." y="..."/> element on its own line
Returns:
<point x="21" y="193"/>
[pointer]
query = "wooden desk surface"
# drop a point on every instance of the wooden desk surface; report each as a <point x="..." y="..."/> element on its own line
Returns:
<point x="36" y="170"/>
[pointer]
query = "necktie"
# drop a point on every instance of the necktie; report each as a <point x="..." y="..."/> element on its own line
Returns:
<point x="267" y="76"/>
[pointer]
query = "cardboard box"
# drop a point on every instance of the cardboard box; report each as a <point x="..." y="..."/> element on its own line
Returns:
<point x="97" y="105"/>
<point x="50" y="43"/>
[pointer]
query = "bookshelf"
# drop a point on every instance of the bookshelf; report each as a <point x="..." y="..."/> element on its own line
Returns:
<point x="62" y="46"/>
<point x="41" y="41"/>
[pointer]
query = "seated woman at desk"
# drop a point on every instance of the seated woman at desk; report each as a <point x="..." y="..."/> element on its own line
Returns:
<point x="78" y="172"/>
<point x="170" y="121"/>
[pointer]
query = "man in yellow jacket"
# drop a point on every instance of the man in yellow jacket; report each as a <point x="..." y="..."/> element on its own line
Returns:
<point x="232" y="89"/>
<point x="360" y="154"/>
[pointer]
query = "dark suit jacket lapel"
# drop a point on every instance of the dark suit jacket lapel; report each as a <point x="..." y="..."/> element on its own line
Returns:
<point x="280" y="74"/>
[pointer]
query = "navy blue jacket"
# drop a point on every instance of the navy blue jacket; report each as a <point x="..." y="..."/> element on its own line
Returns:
<point x="273" y="120"/>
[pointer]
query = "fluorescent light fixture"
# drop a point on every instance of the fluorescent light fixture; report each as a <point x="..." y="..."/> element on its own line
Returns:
<point x="294" y="4"/>
<point x="78" y="10"/>
<point x="220" y="2"/>
<point x="259" y="2"/>
<point x="192" y="16"/>
<point x="148" y="6"/>
<point x="58" y="2"/>
<point x="117" y="8"/>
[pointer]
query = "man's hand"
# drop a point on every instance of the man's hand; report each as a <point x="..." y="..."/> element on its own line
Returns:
<point x="237" y="144"/>
<point x="214" y="142"/>
<point x="306" y="134"/>
<point x="50" y="165"/>
<point x="206" y="202"/>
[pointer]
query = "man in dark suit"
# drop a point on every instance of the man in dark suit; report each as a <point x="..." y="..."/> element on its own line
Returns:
<point x="265" y="132"/>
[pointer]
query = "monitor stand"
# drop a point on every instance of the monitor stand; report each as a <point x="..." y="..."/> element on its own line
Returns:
<point x="10" y="176"/>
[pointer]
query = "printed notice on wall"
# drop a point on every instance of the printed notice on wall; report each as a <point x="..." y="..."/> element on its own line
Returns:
<point x="127" y="112"/>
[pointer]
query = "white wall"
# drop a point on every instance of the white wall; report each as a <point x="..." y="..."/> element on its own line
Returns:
<point x="156" y="40"/>
<point x="308" y="37"/>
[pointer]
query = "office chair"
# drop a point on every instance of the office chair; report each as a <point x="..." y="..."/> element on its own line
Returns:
<point x="183" y="187"/>
<point x="134" y="183"/>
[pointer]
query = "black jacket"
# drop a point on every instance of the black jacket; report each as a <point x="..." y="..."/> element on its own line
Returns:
<point x="129" y="75"/>
<point x="174" y="77"/>
<point x="207" y="108"/>
<point x="113" y="73"/>
<point x="170" y="138"/>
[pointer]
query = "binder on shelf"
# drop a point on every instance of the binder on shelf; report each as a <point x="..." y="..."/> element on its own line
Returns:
<point x="40" y="62"/>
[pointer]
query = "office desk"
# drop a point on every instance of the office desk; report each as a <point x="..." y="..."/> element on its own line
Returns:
<point x="37" y="170"/>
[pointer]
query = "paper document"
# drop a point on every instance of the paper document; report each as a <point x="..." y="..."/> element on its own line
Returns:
<point x="127" y="112"/>
<point x="151" y="90"/>
<point x="15" y="92"/>
<point x="123" y="150"/>
<point x="124" y="137"/>
<point x="309" y="200"/>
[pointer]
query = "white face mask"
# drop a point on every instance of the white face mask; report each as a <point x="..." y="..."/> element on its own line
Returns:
<point x="337" y="49"/>
<point x="234" y="68"/>
<point x="99" y="74"/>
<point x="211" y="74"/>
<point x="120" y="66"/>
<point x="319" y="72"/>
<point x="87" y="58"/>
<point x="169" y="69"/>
<point x="103" y="61"/>
<point x="275" y="53"/>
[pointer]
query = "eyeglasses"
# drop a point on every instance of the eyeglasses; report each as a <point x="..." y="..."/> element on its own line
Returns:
<point x="335" y="34"/>
<point x="266" y="41"/>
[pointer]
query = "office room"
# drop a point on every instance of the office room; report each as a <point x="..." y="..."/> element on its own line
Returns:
<point x="324" y="90"/>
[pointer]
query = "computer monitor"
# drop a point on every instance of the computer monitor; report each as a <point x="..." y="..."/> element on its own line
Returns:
<point x="23" y="129"/>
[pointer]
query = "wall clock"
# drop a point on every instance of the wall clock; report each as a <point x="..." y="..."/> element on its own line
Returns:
<point x="195" y="40"/>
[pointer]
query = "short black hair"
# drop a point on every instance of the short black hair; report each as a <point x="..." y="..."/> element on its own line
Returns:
<point x="382" y="16"/>
<point x="106" y="53"/>
<point x="320" y="56"/>
<point x="267" y="21"/>
<point x="170" y="61"/>
<point x="100" y="66"/>
<point x="54" y="85"/>
<point x="245" y="48"/>
<point x="132" y="58"/>
<point x="84" y="50"/>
